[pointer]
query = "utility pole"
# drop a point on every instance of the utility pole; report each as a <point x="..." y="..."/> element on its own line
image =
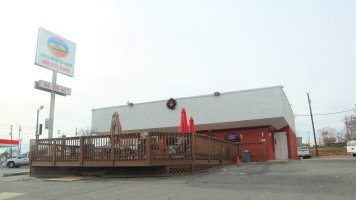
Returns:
<point x="11" y="139"/>
<point x="19" y="140"/>
<point x="311" y="116"/>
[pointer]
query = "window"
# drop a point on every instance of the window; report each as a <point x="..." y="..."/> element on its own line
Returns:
<point x="23" y="155"/>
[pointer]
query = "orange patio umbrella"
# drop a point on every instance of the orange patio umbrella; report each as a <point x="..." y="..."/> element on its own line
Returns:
<point x="183" y="122"/>
<point x="191" y="125"/>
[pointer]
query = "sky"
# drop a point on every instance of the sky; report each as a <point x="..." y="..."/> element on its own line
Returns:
<point x="142" y="51"/>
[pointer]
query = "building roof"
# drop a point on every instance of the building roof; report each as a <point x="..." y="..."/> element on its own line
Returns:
<point x="239" y="109"/>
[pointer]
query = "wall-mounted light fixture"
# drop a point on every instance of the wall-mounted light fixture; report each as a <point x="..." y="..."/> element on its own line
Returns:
<point x="129" y="103"/>
<point x="216" y="94"/>
<point x="262" y="134"/>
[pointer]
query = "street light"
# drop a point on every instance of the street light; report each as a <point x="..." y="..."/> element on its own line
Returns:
<point x="38" y="112"/>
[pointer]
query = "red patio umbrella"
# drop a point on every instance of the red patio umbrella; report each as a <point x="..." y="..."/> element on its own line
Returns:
<point x="183" y="122"/>
<point x="191" y="125"/>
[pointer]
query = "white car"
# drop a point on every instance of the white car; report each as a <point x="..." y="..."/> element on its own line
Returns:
<point x="351" y="147"/>
<point x="23" y="159"/>
<point x="303" y="151"/>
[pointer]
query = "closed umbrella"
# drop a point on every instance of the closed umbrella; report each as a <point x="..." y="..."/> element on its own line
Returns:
<point x="183" y="122"/>
<point x="115" y="128"/>
<point x="191" y="125"/>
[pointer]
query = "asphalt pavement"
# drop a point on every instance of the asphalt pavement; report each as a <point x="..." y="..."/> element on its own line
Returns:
<point x="22" y="170"/>
<point x="316" y="178"/>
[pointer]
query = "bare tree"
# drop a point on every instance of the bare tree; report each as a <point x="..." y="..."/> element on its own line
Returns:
<point x="85" y="132"/>
<point x="341" y="135"/>
<point x="327" y="135"/>
<point x="350" y="126"/>
<point x="5" y="154"/>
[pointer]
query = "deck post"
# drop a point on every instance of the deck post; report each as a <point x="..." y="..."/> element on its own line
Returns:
<point x="148" y="149"/>
<point x="112" y="149"/>
<point x="193" y="147"/>
<point x="81" y="151"/>
<point x="63" y="146"/>
<point x="54" y="152"/>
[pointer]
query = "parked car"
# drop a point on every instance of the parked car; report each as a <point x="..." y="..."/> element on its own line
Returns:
<point x="303" y="151"/>
<point x="351" y="147"/>
<point x="23" y="159"/>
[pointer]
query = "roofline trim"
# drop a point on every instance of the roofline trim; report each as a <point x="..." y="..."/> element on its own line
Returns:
<point x="193" y="97"/>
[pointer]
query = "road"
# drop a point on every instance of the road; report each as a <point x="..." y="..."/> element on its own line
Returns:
<point x="317" y="178"/>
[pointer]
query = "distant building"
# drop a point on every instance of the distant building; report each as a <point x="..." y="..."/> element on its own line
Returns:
<point x="256" y="115"/>
<point x="299" y="141"/>
<point x="328" y="141"/>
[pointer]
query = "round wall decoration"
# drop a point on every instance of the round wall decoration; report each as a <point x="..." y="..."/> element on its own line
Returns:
<point x="171" y="103"/>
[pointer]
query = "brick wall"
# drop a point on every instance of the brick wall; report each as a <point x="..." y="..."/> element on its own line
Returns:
<point x="250" y="135"/>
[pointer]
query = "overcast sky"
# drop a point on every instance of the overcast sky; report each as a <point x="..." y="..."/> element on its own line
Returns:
<point x="153" y="50"/>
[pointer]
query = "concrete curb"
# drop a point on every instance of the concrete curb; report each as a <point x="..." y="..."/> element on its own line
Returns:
<point x="279" y="160"/>
<point x="15" y="174"/>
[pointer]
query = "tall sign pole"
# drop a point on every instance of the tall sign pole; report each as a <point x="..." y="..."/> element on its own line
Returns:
<point x="51" y="109"/>
<point x="311" y="116"/>
<point x="57" y="54"/>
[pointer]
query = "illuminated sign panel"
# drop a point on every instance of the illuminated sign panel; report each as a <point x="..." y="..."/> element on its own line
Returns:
<point x="55" y="53"/>
<point x="50" y="87"/>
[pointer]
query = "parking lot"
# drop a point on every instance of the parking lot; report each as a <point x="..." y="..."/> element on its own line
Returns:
<point x="316" y="178"/>
<point x="11" y="171"/>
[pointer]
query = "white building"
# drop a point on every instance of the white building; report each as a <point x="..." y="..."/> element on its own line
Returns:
<point x="254" y="115"/>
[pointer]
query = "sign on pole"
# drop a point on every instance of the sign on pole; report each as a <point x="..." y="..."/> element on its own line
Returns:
<point x="55" y="53"/>
<point x="46" y="123"/>
<point x="50" y="87"/>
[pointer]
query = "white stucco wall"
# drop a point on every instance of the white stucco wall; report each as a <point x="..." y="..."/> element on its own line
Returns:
<point x="256" y="107"/>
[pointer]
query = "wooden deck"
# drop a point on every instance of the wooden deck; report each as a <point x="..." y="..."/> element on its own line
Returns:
<point x="167" y="153"/>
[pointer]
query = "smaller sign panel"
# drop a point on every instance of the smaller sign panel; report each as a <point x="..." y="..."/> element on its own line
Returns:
<point x="232" y="137"/>
<point x="50" y="87"/>
<point x="46" y="123"/>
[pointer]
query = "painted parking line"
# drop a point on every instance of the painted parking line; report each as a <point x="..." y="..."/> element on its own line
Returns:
<point x="7" y="195"/>
<point x="68" y="179"/>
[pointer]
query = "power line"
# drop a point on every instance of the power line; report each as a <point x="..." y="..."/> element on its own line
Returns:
<point x="331" y="122"/>
<point x="299" y="115"/>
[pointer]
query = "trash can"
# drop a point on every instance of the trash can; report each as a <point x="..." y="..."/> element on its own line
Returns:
<point x="245" y="156"/>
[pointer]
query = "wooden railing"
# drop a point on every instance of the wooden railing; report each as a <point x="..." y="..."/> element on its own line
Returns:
<point x="137" y="149"/>
<point x="257" y="150"/>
